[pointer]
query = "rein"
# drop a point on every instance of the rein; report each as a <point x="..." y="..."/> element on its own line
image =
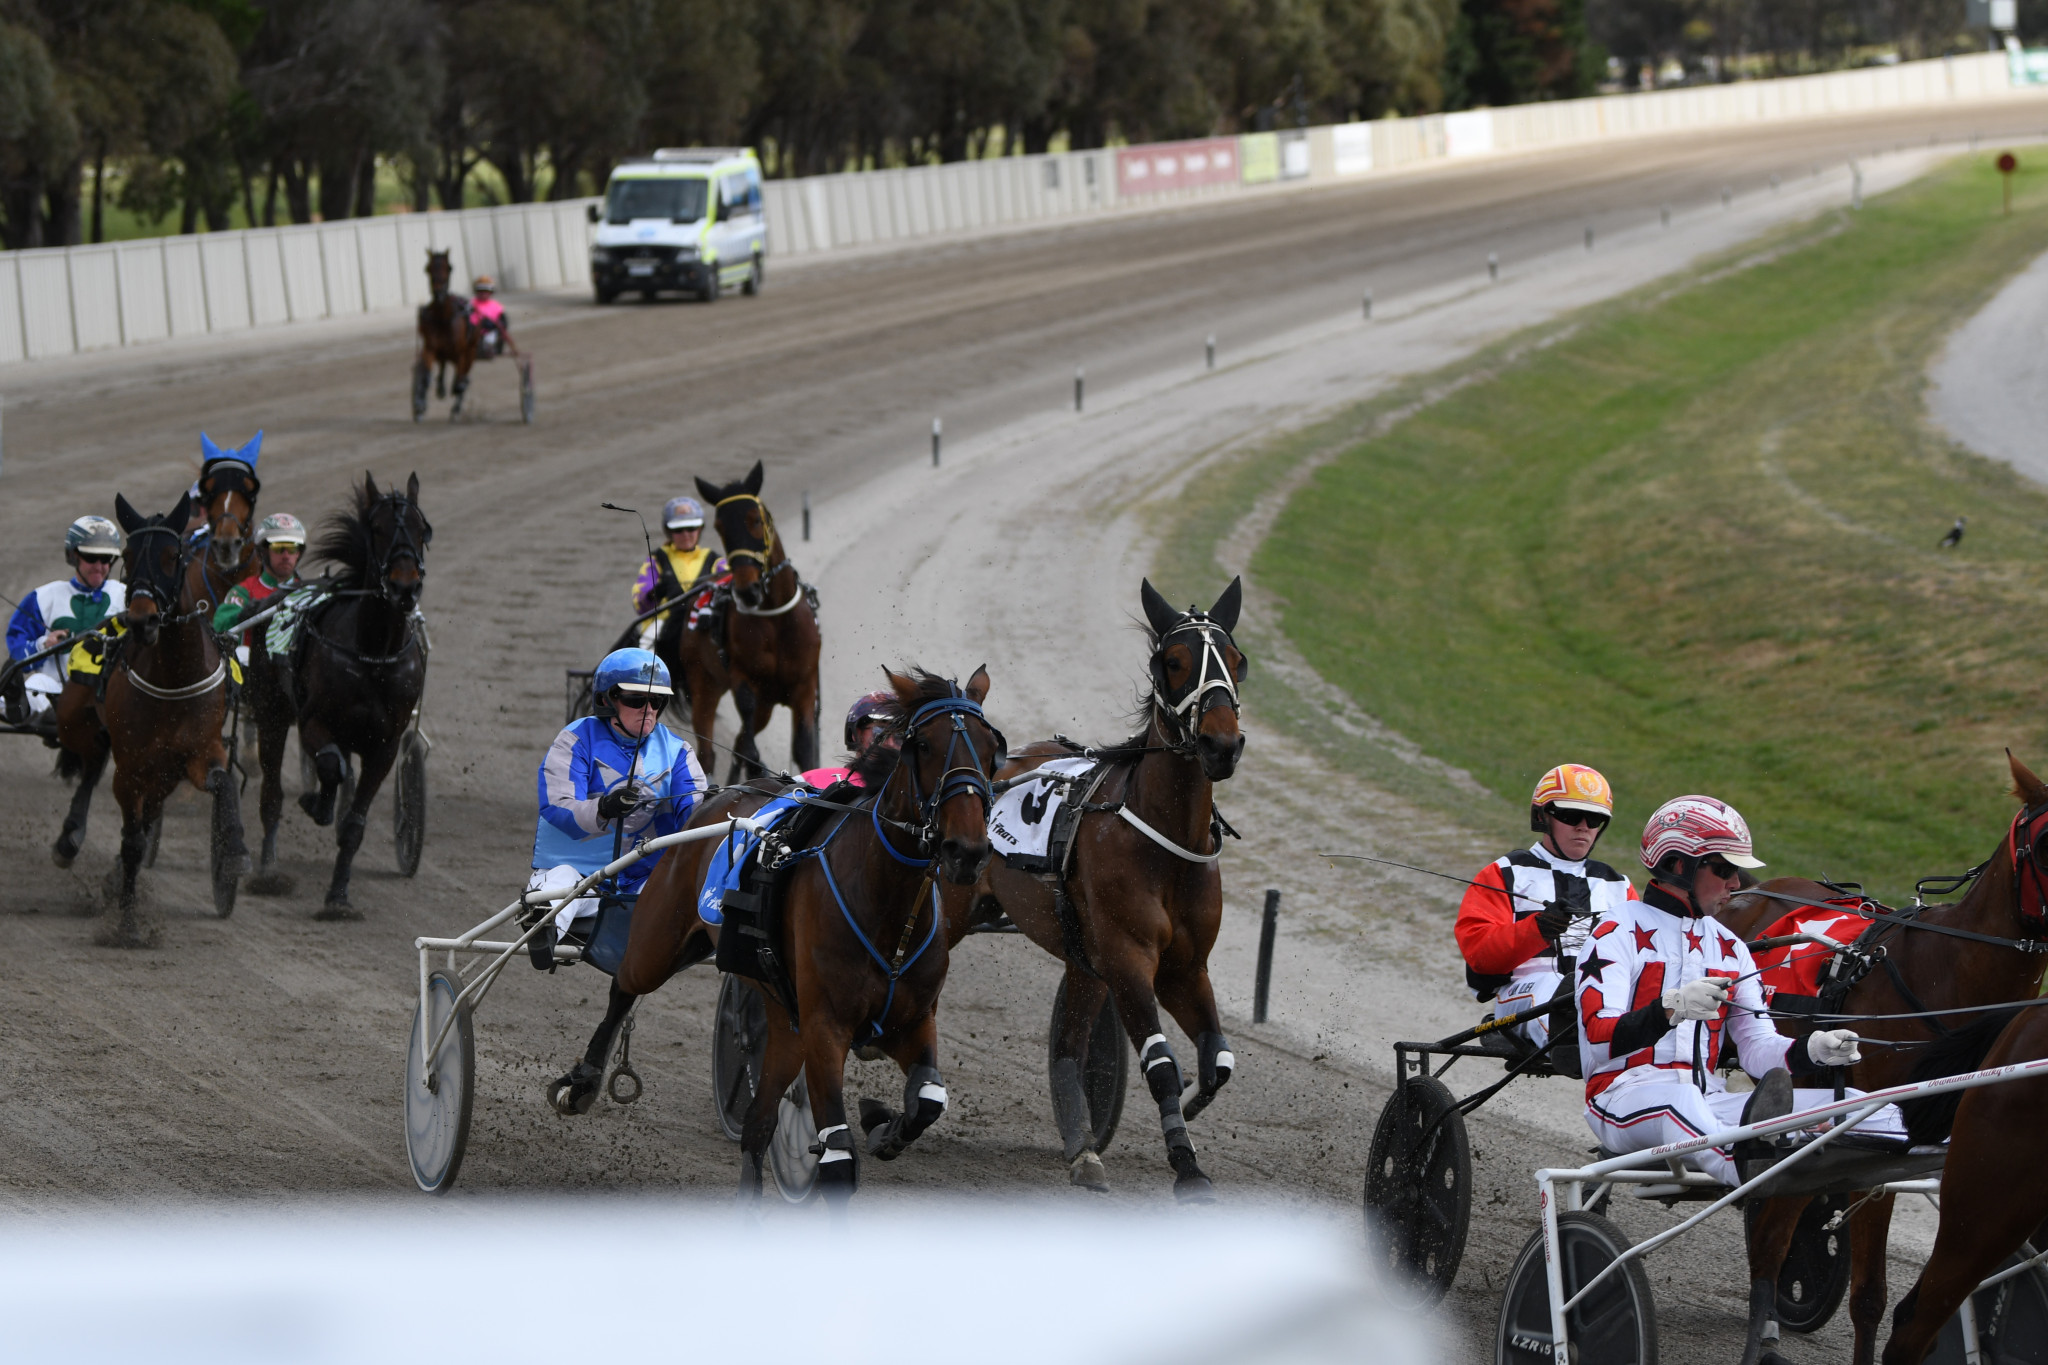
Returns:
<point x="202" y="610"/>
<point x="1903" y="919"/>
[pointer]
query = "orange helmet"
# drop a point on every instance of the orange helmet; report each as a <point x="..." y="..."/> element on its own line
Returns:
<point x="484" y="285"/>
<point x="1573" y="786"/>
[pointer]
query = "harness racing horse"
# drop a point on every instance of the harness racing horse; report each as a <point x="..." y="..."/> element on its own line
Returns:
<point x="360" y="666"/>
<point x="1136" y="911"/>
<point x="1919" y="970"/>
<point x="862" y="932"/>
<point x="446" y="338"/>
<point x="770" y="635"/>
<point x="228" y="488"/>
<point x="159" y="713"/>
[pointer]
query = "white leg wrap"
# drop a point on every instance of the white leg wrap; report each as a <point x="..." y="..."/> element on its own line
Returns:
<point x="1162" y="1058"/>
<point x="1226" y="1061"/>
<point x="928" y="1091"/>
<point x="832" y="1154"/>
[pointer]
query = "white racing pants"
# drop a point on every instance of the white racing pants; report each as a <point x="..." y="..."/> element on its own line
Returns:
<point x="1526" y="993"/>
<point x="561" y="878"/>
<point x="1632" y="1117"/>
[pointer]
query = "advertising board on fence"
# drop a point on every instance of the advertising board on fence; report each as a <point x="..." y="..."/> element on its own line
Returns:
<point x="1469" y="133"/>
<point x="1166" y="166"/>
<point x="1353" y="145"/>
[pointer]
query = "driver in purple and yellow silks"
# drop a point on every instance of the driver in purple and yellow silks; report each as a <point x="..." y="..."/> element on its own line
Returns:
<point x="678" y="567"/>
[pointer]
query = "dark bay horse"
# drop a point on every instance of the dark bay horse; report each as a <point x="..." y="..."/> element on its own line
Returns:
<point x="864" y="928"/>
<point x="1144" y="891"/>
<point x="160" y="715"/>
<point x="228" y="488"/>
<point x="1921" y="971"/>
<point x="770" y="635"/>
<point x="445" y="338"/>
<point x="360" y="666"/>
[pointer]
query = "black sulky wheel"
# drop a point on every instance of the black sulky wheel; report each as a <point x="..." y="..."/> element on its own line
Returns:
<point x="2012" y="1322"/>
<point x="1106" y="1077"/>
<point x="225" y="869"/>
<point x="409" y="802"/>
<point x="739" y="1038"/>
<point x="437" y="1101"/>
<point x="1418" y="1189"/>
<point x="1616" y="1324"/>
<point x="1816" y="1271"/>
<point x="790" y="1159"/>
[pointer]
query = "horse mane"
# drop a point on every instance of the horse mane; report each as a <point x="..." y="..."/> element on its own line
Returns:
<point x="345" y="539"/>
<point x="1930" y="1120"/>
<point x="1140" y="712"/>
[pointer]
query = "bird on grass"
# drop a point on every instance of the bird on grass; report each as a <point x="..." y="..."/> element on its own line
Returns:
<point x="1955" y="534"/>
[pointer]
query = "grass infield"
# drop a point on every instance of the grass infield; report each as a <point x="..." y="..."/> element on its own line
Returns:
<point x="1690" y="538"/>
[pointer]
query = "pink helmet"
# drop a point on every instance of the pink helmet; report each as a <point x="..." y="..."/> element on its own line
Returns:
<point x="1697" y="826"/>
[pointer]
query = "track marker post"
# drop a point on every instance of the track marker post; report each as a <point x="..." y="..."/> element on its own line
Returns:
<point x="1589" y="236"/>
<point x="2007" y="164"/>
<point x="1080" y="379"/>
<point x="1262" y="985"/>
<point x="1368" y="305"/>
<point x="1774" y="182"/>
<point x="937" y="427"/>
<point x="1727" y="197"/>
<point x="1665" y="214"/>
<point x="807" y="514"/>
<point x="1856" y="186"/>
<point x="1493" y="266"/>
<point x="1210" y="348"/>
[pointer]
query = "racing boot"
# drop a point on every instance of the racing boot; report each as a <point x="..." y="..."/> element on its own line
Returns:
<point x="14" y="701"/>
<point x="1772" y="1099"/>
<point x="541" y="947"/>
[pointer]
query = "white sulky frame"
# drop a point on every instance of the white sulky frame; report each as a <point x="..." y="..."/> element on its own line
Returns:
<point x="1668" y="1176"/>
<point x="473" y="943"/>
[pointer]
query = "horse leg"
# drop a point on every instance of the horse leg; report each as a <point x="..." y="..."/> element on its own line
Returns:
<point x="704" y="716"/>
<point x="825" y="1044"/>
<point x="65" y="851"/>
<point x="803" y="726"/>
<point x="1770" y="1231"/>
<point x="1083" y="998"/>
<point x="575" y="1092"/>
<point x="924" y="1095"/>
<point x="270" y="742"/>
<point x="1870" y="1230"/>
<point x="461" y="387"/>
<point x="441" y="380"/>
<point x="780" y="1062"/>
<point x="331" y="765"/>
<point x="228" y="842"/>
<point x="348" y="834"/>
<point x="746" y="756"/>
<point x="1191" y="1000"/>
<point x="1130" y="979"/>
<point x="138" y="812"/>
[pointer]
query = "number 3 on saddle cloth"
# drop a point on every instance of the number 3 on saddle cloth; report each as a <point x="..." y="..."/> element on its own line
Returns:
<point x="745" y="898"/>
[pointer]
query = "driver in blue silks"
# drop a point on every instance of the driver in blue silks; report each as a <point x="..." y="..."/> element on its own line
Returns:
<point x="619" y="765"/>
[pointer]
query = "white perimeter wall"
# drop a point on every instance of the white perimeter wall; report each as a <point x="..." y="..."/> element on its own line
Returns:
<point x="63" y="300"/>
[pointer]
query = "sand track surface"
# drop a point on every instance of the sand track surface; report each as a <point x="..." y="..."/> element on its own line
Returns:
<point x="261" y="1056"/>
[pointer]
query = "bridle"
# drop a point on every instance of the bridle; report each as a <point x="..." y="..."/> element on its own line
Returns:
<point x="2023" y="843"/>
<point x="955" y="779"/>
<point x="402" y="545"/>
<point x="165" y="597"/>
<point x="760" y="557"/>
<point x="1180" y="714"/>
<point x="232" y="477"/>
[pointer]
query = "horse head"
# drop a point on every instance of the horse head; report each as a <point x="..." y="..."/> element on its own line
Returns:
<point x="155" y="552"/>
<point x="228" y="488"/>
<point x="1196" y="667"/>
<point x="950" y="755"/>
<point x="395" y="536"/>
<point x="438" y="271"/>
<point x="746" y="529"/>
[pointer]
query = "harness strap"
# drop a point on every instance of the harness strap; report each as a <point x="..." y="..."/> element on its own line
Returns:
<point x="1169" y="845"/>
<point x="206" y="684"/>
<point x="891" y="972"/>
<point x="1887" y="915"/>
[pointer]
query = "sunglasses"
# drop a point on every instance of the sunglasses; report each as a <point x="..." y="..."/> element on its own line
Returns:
<point x="97" y="559"/>
<point x="1724" y="870"/>
<point x="646" y="703"/>
<point x="1578" y="819"/>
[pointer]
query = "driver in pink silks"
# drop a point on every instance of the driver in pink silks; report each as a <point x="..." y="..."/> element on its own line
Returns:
<point x="487" y="315"/>
<point x="866" y="723"/>
<point x="1659" y="979"/>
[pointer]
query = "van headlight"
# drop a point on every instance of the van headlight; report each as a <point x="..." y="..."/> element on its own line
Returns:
<point x="686" y="253"/>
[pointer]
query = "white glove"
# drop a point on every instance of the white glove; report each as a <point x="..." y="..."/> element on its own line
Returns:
<point x="1833" y="1047"/>
<point x="1696" y="1001"/>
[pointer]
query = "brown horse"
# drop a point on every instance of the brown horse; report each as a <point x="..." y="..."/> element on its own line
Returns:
<point x="445" y="338"/>
<point x="1994" y="1185"/>
<point x="1135" y="910"/>
<point x="769" y="632"/>
<point x="228" y="488"/>
<point x="861" y="928"/>
<point x="1920" y="970"/>
<point x="160" y="712"/>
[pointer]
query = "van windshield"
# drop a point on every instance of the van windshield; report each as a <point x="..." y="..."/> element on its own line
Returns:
<point x="678" y="199"/>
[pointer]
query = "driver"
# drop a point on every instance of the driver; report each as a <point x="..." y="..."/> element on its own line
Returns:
<point x="59" y="610"/>
<point x="677" y="567"/>
<point x="280" y="540"/>
<point x="607" y="781"/>
<point x="487" y="315"/>
<point x="867" y="723"/>
<point x="1657" y="979"/>
<point x="1525" y="917"/>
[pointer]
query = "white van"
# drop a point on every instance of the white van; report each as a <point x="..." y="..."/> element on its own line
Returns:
<point x="686" y="218"/>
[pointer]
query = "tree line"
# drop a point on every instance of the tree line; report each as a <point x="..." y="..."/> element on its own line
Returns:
<point x="276" y="111"/>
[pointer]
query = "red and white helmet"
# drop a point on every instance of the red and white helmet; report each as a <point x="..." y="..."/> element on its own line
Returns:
<point x="1699" y="827"/>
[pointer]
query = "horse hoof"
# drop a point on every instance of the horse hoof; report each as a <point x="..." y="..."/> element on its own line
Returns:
<point x="271" y="882"/>
<point x="60" y="857"/>
<point x="309" y="802"/>
<point x="1194" y="1189"/>
<point x="127" y="935"/>
<point x="576" y="1092"/>
<point x="1086" y="1171"/>
<point x="339" y="910"/>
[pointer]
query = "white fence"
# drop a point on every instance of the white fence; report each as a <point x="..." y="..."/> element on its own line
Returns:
<point x="68" y="299"/>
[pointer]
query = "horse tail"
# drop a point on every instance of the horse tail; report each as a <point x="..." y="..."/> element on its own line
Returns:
<point x="1930" y="1120"/>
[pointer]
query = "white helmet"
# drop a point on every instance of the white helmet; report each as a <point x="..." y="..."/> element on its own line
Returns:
<point x="92" y="535"/>
<point x="1698" y="827"/>
<point x="281" y="528"/>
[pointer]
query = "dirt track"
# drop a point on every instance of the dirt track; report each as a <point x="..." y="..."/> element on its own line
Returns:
<point x="261" y="1056"/>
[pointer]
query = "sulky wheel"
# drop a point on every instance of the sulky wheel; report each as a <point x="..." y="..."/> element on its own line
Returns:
<point x="1418" y="1189"/>
<point x="437" y="1102"/>
<point x="739" y="1038"/>
<point x="409" y="802"/>
<point x="1816" y="1270"/>
<point x="1614" y="1325"/>
<point x="790" y="1158"/>
<point x="1107" y="1073"/>
<point x="2012" y="1322"/>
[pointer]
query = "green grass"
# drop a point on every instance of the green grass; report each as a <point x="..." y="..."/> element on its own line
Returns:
<point x="1690" y="538"/>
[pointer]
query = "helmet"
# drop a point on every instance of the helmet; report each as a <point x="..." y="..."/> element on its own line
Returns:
<point x="1574" y="786"/>
<point x="631" y="670"/>
<point x="281" y="528"/>
<point x="94" y="536"/>
<point x="484" y="285"/>
<point x="1697" y="826"/>
<point x="873" y="706"/>
<point x="681" y="514"/>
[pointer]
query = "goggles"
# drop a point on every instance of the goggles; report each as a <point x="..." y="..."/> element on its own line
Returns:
<point x="638" y="701"/>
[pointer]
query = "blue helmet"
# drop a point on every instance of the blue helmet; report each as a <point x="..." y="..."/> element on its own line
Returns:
<point x="631" y="670"/>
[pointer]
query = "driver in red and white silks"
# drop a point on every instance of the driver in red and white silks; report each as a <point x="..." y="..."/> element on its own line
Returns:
<point x="1524" y="920"/>
<point x="1659" y="983"/>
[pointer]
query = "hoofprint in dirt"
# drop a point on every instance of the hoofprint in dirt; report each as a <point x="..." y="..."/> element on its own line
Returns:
<point x="264" y="1055"/>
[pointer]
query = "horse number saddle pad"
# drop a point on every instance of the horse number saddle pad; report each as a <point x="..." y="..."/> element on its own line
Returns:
<point x="1021" y="824"/>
